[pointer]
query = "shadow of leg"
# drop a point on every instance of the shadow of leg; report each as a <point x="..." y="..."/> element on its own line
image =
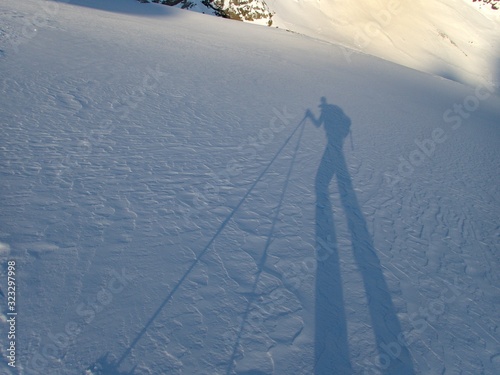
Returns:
<point x="394" y="357"/>
<point x="331" y="344"/>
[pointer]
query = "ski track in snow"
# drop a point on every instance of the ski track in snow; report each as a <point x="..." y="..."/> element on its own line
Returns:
<point x="104" y="175"/>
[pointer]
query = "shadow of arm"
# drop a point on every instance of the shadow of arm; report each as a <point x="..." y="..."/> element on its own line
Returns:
<point x="310" y="116"/>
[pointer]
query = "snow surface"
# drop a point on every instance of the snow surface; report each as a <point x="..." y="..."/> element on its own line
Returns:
<point x="455" y="39"/>
<point x="170" y="210"/>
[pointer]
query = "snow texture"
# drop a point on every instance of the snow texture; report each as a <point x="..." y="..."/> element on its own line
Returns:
<point x="183" y="194"/>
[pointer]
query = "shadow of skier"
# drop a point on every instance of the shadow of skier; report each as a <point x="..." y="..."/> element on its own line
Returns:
<point x="331" y="339"/>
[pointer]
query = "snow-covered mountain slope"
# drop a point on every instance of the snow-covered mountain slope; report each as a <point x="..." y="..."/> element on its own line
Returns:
<point x="170" y="210"/>
<point x="455" y="39"/>
<point x="451" y="38"/>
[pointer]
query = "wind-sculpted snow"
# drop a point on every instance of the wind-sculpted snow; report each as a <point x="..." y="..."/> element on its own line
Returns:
<point x="173" y="209"/>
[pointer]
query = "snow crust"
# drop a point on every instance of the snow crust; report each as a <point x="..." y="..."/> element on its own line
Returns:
<point x="171" y="210"/>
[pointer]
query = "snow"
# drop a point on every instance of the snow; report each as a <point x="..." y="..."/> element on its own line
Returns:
<point x="170" y="210"/>
<point x="455" y="39"/>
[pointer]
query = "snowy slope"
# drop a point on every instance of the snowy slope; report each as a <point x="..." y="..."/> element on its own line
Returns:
<point x="455" y="39"/>
<point x="170" y="212"/>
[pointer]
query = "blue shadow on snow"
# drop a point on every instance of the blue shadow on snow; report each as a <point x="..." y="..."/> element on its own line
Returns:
<point x="331" y="338"/>
<point x="120" y="6"/>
